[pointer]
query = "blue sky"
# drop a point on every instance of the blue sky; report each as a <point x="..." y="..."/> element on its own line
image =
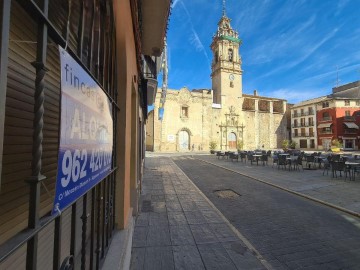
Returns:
<point x="291" y="49"/>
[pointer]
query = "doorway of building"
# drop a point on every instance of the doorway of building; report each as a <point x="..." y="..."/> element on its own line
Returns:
<point x="326" y="143"/>
<point x="184" y="140"/>
<point x="232" y="140"/>
<point x="303" y="143"/>
<point x="349" y="144"/>
<point x="312" y="143"/>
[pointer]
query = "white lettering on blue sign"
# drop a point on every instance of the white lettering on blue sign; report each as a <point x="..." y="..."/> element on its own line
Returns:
<point x="86" y="134"/>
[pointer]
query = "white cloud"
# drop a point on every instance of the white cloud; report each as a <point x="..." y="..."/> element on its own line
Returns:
<point x="174" y="3"/>
<point x="308" y="52"/>
<point x="279" y="45"/>
<point x="194" y="39"/>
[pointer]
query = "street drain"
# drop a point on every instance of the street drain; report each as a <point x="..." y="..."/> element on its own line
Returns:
<point x="146" y="206"/>
<point x="226" y="194"/>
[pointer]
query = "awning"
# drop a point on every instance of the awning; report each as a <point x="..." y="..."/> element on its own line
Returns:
<point x="351" y="125"/>
<point x="324" y="125"/>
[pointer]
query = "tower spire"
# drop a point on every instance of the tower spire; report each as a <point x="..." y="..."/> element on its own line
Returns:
<point x="224" y="8"/>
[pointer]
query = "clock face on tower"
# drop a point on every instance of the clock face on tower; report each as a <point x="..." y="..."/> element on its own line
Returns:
<point x="231" y="77"/>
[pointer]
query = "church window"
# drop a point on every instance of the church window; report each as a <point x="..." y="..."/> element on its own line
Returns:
<point x="216" y="56"/>
<point x="230" y="55"/>
<point x="184" y="112"/>
<point x="232" y="84"/>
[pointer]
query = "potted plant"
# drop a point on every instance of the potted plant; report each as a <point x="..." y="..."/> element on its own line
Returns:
<point x="285" y="145"/>
<point x="336" y="145"/>
<point x="212" y="146"/>
<point x="292" y="145"/>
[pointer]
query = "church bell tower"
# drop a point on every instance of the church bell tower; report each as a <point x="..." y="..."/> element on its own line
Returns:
<point x="226" y="70"/>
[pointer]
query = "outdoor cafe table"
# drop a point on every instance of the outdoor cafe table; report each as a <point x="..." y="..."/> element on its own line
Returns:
<point x="320" y="159"/>
<point x="352" y="166"/>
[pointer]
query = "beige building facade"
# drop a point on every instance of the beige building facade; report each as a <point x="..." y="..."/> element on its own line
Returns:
<point x="223" y="114"/>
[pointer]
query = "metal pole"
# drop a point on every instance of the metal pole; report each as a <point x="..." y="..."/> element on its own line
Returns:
<point x="4" y="45"/>
<point x="84" y="219"/>
<point x="38" y="124"/>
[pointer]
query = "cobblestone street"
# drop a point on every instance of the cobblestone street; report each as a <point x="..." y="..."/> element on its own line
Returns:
<point x="240" y="223"/>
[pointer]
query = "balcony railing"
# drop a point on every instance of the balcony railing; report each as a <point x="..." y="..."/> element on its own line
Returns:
<point x="350" y="118"/>
<point x="306" y="124"/>
<point x="303" y="134"/>
<point x="324" y="119"/>
<point x="326" y="132"/>
<point x="299" y="114"/>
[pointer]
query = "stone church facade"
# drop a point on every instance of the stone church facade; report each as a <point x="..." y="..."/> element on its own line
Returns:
<point x="223" y="114"/>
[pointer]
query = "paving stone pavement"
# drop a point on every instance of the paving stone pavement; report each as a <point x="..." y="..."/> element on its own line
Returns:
<point x="336" y="191"/>
<point x="289" y="231"/>
<point x="178" y="228"/>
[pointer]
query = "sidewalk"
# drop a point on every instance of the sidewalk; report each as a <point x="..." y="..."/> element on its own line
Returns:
<point x="179" y="228"/>
<point x="336" y="191"/>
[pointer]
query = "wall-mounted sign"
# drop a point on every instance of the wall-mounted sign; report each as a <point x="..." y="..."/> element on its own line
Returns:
<point x="86" y="134"/>
<point x="171" y="138"/>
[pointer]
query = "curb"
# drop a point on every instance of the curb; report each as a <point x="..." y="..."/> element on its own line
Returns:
<point x="356" y="214"/>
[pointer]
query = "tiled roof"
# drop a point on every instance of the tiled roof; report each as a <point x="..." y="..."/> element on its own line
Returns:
<point x="310" y="101"/>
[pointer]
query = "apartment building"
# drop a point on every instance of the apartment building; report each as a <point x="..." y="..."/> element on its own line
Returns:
<point x="315" y="123"/>
<point x="338" y="117"/>
<point x="303" y="124"/>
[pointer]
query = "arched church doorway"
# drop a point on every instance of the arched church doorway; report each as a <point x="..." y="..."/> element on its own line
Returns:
<point x="184" y="144"/>
<point x="232" y="140"/>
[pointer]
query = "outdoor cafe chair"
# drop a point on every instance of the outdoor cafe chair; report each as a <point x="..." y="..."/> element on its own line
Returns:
<point x="264" y="159"/>
<point x="220" y="154"/>
<point x="251" y="158"/>
<point x="338" y="166"/>
<point x="327" y="165"/>
<point x="282" y="161"/>
<point x="233" y="156"/>
<point x="297" y="162"/>
<point x="310" y="161"/>
<point x="243" y="156"/>
<point x="275" y="159"/>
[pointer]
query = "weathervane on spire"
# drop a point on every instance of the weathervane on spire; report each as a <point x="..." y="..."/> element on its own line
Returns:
<point x="224" y="8"/>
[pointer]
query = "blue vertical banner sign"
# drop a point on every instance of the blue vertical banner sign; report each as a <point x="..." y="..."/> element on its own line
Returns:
<point x="86" y="134"/>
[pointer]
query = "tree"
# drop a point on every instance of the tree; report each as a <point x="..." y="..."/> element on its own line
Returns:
<point x="336" y="143"/>
<point x="292" y="144"/>
<point x="285" y="144"/>
<point x="212" y="146"/>
<point x="240" y="144"/>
